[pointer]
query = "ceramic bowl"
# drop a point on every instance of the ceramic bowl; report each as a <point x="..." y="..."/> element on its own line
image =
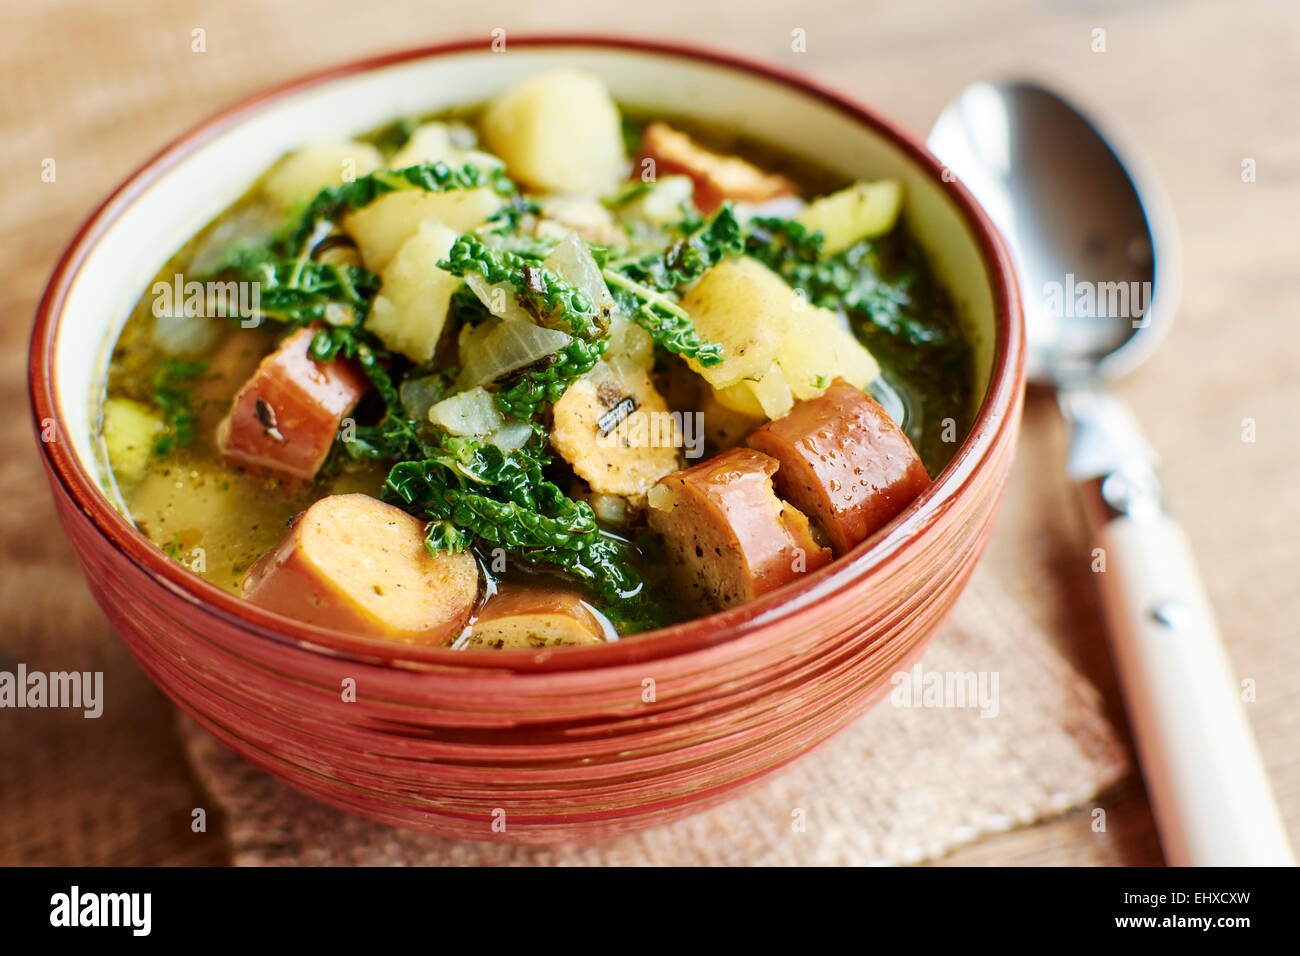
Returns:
<point x="563" y="745"/>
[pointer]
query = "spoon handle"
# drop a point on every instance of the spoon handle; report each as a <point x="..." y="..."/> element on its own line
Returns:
<point x="1209" y="790"/>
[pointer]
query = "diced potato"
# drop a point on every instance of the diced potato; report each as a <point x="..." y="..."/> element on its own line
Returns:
<point x="740" y="399"/>
<point x="512" y="436"/>
<point x="130" y="430"/>
<point x="411" y="308"/>
<point x="862" y="211"/>
<point x="768" y="396"/>
<point x="434" y="142"/>
<point x="616" y="451"/>
<point x="301" y="175"/>
<point x="725" y="427"/>
<point x="776" y="345"/>
<point x="745" y="308"/>
<point x="428" y="143"/>
<point x="821" y="349"/>
<point x="382" y="227"/>
<point x="558" y="132"/>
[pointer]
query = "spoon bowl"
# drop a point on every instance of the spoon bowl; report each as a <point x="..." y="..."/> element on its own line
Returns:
<point x="1094" y="241"/>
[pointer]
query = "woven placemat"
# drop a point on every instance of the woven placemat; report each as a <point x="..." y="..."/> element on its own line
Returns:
<point x="920" y="774"/>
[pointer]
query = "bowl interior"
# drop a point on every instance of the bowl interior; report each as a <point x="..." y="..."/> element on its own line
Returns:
<point x="166" y="212"/>
<point x="167" y="202"/>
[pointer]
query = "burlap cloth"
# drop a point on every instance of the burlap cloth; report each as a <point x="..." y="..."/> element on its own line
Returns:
<point x="902" y="785"/>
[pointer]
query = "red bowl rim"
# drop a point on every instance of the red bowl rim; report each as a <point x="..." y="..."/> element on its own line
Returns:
<point x="1005" y="384"/>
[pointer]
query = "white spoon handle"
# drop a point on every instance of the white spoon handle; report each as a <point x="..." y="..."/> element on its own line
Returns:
<point x="1209" y="791"/>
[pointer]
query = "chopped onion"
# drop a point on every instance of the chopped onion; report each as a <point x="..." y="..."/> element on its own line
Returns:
<point x="508" y="347"/>
<point x="467" y="413"/>
<point x="420" y="394"/>
<point x="184" y="335"/>
<point x="571" y="260"/>
<point x="664" y="202"/>
<point x="484" y="161"/>
<point x="462" y="136"/>
<point x="498" y="299"/>
<point x="511" y="437"/>
<point x="629" y="343"/>
<point x="611" y="509"/>
<point x="471" y="337"/>
<point x="251" y="224"/>
<point x="783" y="207"/>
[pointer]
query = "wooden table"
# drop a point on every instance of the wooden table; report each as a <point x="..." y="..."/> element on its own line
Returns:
<point x="1201" y="86"/>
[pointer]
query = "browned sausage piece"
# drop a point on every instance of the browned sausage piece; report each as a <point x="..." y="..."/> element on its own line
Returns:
<point x="527" y="616"/>
<point x="355" y="564"/>
<point x="717" y="178"/>
<point x="729" y="537"/>
<point x="843" y="462"/>
<point x="285" y="417"/>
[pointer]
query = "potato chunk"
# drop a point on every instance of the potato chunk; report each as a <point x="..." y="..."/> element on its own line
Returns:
<point x="862" y="211"/>
<point x="355" y="564"/>
<point x="615" y="429"/>
<point x="382" y="227"/>
<point x="726" y="427"/>
<point x="717" y="178"/>
<point x="287" y="414"/>
<point x="302" y="174"/>
<point x="130" y="430"/>
<point x="776" y="346"/>
<point x="437" y="142"/>
<point x="820" y="349"/>
<point x="411" y="308"/>
<point x="558" y="132"/>
<point x="525" y="616"/>
<point x="729" y="537"/>
<point x="844" y="462"/>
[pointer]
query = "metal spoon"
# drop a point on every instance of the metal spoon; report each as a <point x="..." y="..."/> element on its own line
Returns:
<point x="1098" y="262"/>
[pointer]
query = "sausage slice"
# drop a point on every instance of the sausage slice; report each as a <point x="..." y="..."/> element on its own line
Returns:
<point x="716" y="177"/>
<point x="535" y="617"/>
<point x="356" y="564"/>
<point x="844" y="462"/>
<point x="286" y="415"/>
<point x="730" y="538"/>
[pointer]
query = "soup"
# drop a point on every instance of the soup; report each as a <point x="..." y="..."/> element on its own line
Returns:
<point x="537" y="373"/>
